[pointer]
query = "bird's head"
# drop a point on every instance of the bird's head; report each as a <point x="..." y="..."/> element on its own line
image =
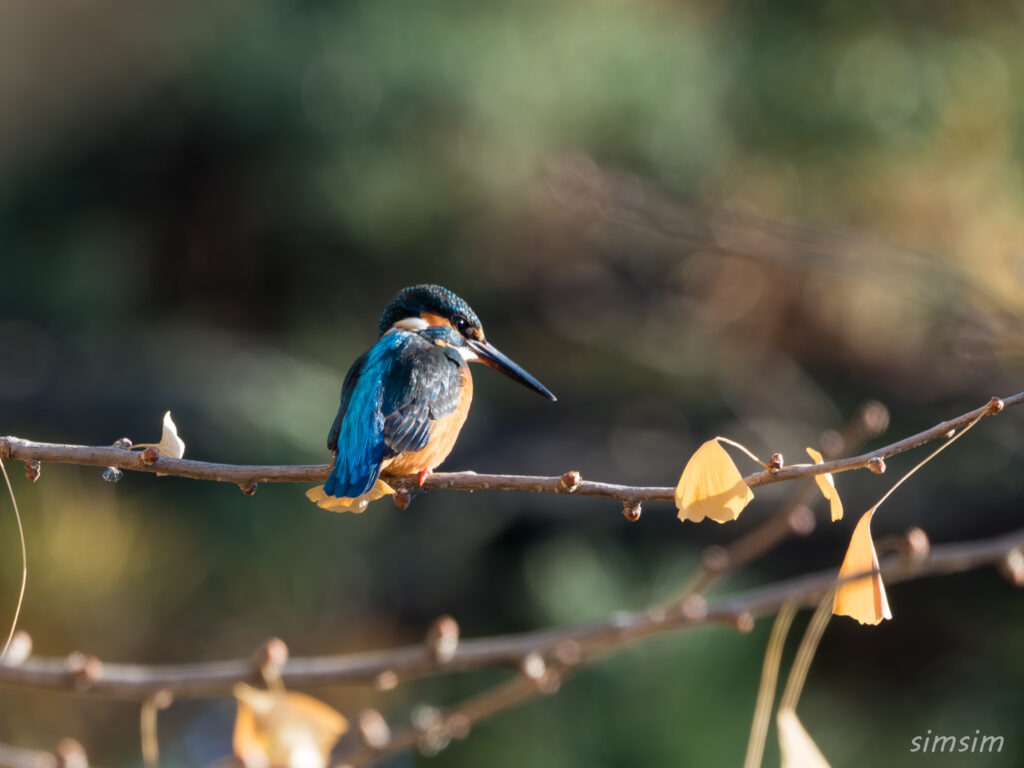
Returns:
<point x="447" y="320"/>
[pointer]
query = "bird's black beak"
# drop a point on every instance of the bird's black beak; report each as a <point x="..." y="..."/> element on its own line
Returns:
<point x="499" y="361"/>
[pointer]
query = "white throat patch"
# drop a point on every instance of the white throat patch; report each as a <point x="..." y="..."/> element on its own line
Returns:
<point x="410" y="324"/>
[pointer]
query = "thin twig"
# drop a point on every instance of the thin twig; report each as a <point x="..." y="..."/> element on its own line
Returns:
<point x="807" y="590"/>
<point x="247" y="475"/>
<point x="134" y="681"/>
<point x="455" y="723"/>
<point x="24" y="564"/>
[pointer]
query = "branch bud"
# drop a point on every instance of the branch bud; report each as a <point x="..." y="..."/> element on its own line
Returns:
<point x="19" y="649"/>
<point x="123" y="443"/>
<point x="876" y="464"/>
<point x="248" y="488"/>
<point x="424" y="717"/>
<point x="801" y="520"/>
<point x="1011" y="566"/>
<point x="775" y="462"/>
<point x="443" y="639"/>
<point x="273" y="654"/>
<point x="163" y="698"/>
<point x="373" y="729"/>
<point x="402" y="498"/>
<point x="631" y="510"/>
<point x="915" y="545"/>
<point x="386" y="680"/>
<point x="693" y="608"/>
<point x="533" y="666"/>
<point x="149" y="456"/>
<point x="715" y="559"/>
<point x="429" y="721"/>
<point x="569" y="482"/>
<point x="568" y="653"/>
<point x="995" y="405"/>
<point x="458" y="726"/>
<point x="71" y="754"/>
<point x="83" y="670"/>
<point x="875" y="417"/>
<point x="743" y="622"/>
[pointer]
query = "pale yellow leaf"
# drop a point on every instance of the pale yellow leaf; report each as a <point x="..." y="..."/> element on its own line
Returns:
<point x="827" y="486"/>
<point x="862" y="598"/>
<point x="797" y="747"/>
<point x="284" y="730"/>
<point x="170" y="445"/>
<point x="345" y="504"/>
<point x="711" y="486"/>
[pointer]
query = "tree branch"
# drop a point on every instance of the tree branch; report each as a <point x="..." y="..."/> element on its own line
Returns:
<point x="68" y="753"/>
<point x="543" y="658"/>
<point x="87" y="675"/>
<point x="13" y="757"/>
<point x="247" y="476"/>
<point x="616" y="633"/>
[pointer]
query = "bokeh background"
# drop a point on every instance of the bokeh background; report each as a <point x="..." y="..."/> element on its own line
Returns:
<point x="719" y="217"/>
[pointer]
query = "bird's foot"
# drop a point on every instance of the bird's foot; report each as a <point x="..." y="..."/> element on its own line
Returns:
<point x="423" y="477"/>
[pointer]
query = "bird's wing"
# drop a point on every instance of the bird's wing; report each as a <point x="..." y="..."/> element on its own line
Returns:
<point x="391" y="396"/>
<point x="346" y="394"/>
<point x="423" y="386"/>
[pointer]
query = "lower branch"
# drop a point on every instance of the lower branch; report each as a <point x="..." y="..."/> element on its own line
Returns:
<point x="69" y="754"/>
<point x="13" y="757"/>
<point x="808" y="590"/>
<point x="82" y="674"/>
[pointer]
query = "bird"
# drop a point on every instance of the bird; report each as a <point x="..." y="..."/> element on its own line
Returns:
<point x="405" y="400"/>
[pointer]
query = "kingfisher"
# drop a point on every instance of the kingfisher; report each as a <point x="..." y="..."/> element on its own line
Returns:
<point x="404" y="401"/>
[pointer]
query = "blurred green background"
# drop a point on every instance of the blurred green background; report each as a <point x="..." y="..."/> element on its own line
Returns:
<point x="686" y="219"/>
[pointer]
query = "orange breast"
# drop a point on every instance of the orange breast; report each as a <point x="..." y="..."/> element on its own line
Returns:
<point x="443" y="434"/>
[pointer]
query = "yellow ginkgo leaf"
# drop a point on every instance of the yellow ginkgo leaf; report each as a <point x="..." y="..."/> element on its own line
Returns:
<point x="345" y="504"/>
<point x="284" y="730"/>
<point x="861" y="598"/>
<point x="797" y="746"/>
<point x="827" y="486"/>
<point x="711" y="486"/>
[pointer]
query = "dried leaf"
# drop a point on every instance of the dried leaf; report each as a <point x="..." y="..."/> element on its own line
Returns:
<point x="345" y="504"/>
<point x="284" y="730"/>
<point x="798" y="748"/>
<point x="862" y="598"/>
<point x="711" y="486"/>
<point x="170" y="446"/>
<point x="827" y="486"/>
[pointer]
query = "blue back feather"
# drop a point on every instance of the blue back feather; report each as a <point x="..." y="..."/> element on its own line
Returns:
<point x="360" y="438"/>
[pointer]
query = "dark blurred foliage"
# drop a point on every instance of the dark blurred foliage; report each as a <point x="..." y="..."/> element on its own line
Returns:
<point x="717" y="218"/>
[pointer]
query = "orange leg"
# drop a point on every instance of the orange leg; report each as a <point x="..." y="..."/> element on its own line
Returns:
<point x="424" y="474"/>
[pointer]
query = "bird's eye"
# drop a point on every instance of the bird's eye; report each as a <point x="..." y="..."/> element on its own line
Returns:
<point x="461" y="324"/>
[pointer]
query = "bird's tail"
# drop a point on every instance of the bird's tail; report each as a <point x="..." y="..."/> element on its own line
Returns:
<point x="357" y="504"/>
